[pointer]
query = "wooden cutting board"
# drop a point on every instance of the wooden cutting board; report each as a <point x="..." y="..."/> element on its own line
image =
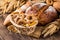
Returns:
<point x="6" y="35"/>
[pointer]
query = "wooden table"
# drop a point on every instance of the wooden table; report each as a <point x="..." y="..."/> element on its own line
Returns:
<point x="6" y="35"/>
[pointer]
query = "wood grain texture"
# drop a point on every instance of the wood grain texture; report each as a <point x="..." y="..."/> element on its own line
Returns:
<point x="6" y="35"/>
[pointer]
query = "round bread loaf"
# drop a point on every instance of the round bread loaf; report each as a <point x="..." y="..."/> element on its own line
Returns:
<point x="46" y="13"/>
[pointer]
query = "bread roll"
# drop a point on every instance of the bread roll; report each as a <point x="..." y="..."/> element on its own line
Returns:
<point x="56" y="5"/>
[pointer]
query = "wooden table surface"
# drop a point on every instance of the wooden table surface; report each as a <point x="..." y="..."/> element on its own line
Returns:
<point x="6" y="35"/>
